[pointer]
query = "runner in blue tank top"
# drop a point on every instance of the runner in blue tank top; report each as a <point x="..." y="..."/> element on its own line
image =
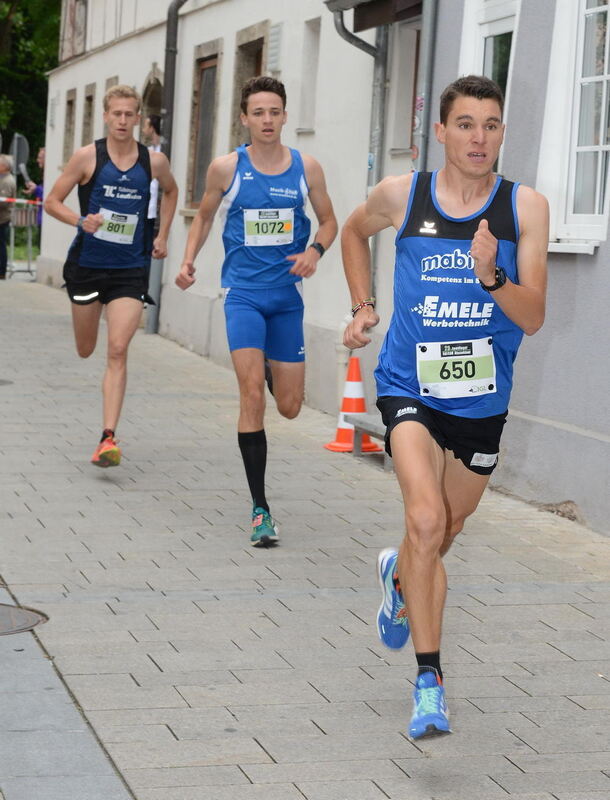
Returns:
<point x="261" y="191"/>
<point x="108" y="261"/>
<point x="469" y="280"/>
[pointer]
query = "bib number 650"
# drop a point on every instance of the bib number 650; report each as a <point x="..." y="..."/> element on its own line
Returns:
<point x="456" y="370"/>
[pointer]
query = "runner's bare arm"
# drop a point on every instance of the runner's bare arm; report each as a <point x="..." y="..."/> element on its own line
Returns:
<point x="78" y="169"/>
<point x="161" y="170"/>
<point x="523" y="303"/>
<point x="218" y="179"/>
<point x="385" y="207"/>
<point x="305" y="263"/>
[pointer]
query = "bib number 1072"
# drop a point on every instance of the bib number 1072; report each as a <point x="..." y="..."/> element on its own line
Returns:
<point x="264" y="227"/>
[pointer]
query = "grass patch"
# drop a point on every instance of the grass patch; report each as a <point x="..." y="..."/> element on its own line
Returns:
<point x="21" y="252"/>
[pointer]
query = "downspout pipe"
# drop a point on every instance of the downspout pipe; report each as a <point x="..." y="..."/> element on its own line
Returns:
<point x="350" y="37"/>
<point x="167" y="124"/>
<point x="425" y="69"/>
<point x="169" y="75"/>
<point x="379" y="52"/>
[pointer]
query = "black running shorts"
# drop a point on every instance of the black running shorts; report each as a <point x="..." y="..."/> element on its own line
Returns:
<point x="87" y="285"/>
<point x="476" y="442"/>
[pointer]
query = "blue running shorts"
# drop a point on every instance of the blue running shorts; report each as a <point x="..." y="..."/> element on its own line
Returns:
<point x="270" y="320"/>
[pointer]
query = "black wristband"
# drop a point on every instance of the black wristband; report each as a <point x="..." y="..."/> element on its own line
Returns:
<point x="319" y="247"/>
<point x="500" y="280"/>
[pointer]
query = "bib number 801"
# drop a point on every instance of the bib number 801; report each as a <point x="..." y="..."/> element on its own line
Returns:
<point x="456" y="370"/>
<point x="115" y="227"/>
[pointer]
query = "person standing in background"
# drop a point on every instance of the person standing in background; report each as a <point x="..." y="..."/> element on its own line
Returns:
<point x="36" y="190"/>
<point x="151" y="131"/>
<point x="8" y="188"/>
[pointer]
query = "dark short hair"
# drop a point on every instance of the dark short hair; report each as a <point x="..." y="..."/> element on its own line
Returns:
<point x="155" y="123"/>
<point x="262" y="83"/>
<point x="477" y="86"/>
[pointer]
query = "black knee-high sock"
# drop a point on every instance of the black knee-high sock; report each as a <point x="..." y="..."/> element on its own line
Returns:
<point x="253" y="447"/>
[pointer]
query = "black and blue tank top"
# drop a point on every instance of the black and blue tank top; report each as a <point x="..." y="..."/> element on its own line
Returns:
<point x="122" y="197"/>
<point x="449" y="343"/>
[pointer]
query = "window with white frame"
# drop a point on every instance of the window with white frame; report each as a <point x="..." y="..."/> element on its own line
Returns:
<point x="486" y="45"/>
<point x="487" y="38"/>
<point x="591" y="135"/>
<point x="575" y="145"/>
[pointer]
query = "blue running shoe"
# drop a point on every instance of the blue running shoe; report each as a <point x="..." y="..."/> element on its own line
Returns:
<point x="430" y="714"/>
<point x="264" y="529"/>
<point x="392" y="622"/>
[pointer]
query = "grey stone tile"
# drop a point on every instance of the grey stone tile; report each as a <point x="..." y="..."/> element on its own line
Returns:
<point x="159" y="697"/>
<point x="369" y="769"/>
<point x="175" y="777"/>
<point x="442" y="787"/>
<point x="51" y="753"/>
<point x="564" y="762"/>
<point x="245" y="792"/>
<point x="554" y="783"/>
<point x="455" y="765"/>
<point x="558" y="737"/>
<point x="240" y="695"/>
<point x="335" y="747"/>
<point x="227" y="749"/>
<point x="588" y="795"/>
<point x="345" y="790"/>
<point x="49" y="709"/>
<point x="65" y="787"/>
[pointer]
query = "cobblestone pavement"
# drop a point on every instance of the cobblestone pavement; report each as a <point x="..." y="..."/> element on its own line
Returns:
<point x="181" y="664"/>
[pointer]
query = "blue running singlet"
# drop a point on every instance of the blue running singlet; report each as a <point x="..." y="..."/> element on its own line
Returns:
<point x="449" y="343"/>
<point x="125" y="238"/>
<point x="264" y="221"/>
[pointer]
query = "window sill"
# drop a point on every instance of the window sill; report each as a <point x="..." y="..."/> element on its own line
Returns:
<point x="396" y="152"/>
<point x="588" y="248"/>
<point x="187" y="212"/>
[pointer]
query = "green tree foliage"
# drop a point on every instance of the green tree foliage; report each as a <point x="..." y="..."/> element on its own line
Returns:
<point x="29" y="43"/>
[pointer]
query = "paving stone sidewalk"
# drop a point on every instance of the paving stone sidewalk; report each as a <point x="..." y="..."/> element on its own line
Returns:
<point x="179" y="663"/>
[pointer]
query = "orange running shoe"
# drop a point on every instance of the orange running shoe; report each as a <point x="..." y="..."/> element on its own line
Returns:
<point x="107" y="453"/>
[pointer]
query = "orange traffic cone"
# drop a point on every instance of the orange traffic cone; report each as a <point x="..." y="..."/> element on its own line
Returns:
<point x="353" y="403"/>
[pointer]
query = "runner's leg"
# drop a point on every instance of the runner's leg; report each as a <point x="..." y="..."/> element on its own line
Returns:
<point x="122" y="317"/>
<point x="249" y="366"/>
<point x="288" y="386"/>
<point x="462" y="492"/>
<point x="285" y="350"/>
<point x="439" y="493"/>
<point x="86" y="321"/>
<point x="419" y="463"/>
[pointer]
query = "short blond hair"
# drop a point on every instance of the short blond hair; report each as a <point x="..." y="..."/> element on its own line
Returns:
<point x="122" y="90"/>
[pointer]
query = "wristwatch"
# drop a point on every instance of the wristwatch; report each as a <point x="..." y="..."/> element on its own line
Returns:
<point x="500" y="281"/>
<point x="319" y="247"/>
<point x="79" y="224"/>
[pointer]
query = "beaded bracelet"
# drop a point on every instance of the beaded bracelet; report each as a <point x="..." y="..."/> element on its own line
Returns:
<point x="370" y="301"/>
